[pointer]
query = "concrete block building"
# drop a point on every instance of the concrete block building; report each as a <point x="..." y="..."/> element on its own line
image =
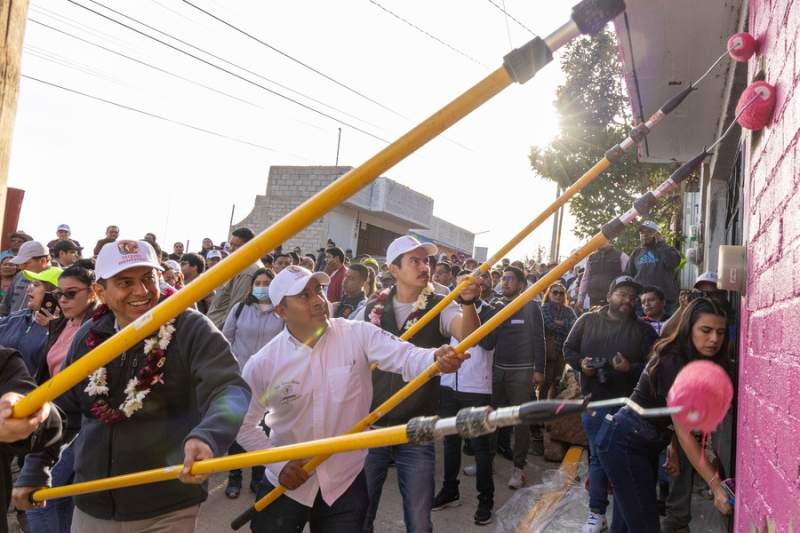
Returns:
<point x="365" y="223"/>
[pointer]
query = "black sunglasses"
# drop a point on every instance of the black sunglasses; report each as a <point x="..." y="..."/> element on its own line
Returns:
<point x="69" y="294"/>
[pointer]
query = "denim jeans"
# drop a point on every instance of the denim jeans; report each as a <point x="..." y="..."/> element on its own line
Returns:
<point x="56" y="517"/>
<point x="451" y="402"/>
<point x="629" y="446"/>
<point x="285" y="515"/>
<point x="415" y="464"/>
<point x="598" y="481"/>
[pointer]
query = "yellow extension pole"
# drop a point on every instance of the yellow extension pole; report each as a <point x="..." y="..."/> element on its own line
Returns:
<point x="414" y="385"/>
<point x="343" y="443"/>
<point x="310" y="210"/>
<point x="383" y="437"/>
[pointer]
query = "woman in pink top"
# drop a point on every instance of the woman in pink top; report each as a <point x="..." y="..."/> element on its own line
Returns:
<point x="77" y="300"/>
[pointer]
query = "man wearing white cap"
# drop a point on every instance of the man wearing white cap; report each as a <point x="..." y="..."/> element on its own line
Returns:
<point x="314" y="381"/>
<point x="176" y="396"/>
<point x="654" y="263"/>
<point x="63" y="233"/>
<point x="34" y="257"/>
<point x="395" y="311"/>
<point x="706" y="282"/>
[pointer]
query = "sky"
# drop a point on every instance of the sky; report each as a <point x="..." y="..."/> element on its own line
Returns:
<point x="90" y="164"/>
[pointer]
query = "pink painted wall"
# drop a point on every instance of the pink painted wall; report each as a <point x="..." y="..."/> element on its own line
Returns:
<point x="768" y="458"/>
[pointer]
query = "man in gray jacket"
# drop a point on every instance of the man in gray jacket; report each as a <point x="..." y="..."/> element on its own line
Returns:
<point x="34" y="257"/>
<point x="237" y="287"/>
<point x="176" y="396"/>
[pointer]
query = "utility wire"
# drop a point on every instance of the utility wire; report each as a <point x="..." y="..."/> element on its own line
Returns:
<point x="159" y="117"/>
<point x="144" y="63"/>
<point x="292" y="58"/>
<point x="232" y="64"/>
<point x="435" y="38"/>
<point x="247" y="80"/>
<point x="512" y="17"/>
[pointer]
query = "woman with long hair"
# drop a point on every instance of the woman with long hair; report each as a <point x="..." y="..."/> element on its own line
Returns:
<point x="629" y="445"/>
<point x="250" y="325"/>
<point x="77" y="301"/>
<point x="558" y="321"/>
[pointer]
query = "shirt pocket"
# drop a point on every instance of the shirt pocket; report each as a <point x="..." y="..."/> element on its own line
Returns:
<point x="342" y="384"/>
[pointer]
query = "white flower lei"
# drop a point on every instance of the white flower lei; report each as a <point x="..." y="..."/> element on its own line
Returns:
<point x="420" y="304"/>
<point x="98" y="380"/>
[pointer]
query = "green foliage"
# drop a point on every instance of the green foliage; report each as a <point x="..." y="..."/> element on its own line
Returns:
<point x="594" y="116"/>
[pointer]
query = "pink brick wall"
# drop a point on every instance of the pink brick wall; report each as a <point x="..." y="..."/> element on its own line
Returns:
<point x="768" y="458"/>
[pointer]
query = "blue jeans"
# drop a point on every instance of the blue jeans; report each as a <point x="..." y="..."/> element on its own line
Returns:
<point x="415" y="468"/>
<point x="629" y="446"/>
<point x="598" y="481"/>
<point x="56" y="517"/>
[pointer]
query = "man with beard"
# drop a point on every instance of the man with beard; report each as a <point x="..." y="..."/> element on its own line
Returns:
<point x="608" y="349"/>
<point x="396" y="311"/>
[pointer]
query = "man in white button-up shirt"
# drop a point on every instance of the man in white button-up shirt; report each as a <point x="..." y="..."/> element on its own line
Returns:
<point x="313" y="381"/>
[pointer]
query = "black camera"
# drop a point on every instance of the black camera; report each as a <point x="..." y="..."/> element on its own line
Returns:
<point x="601" y="366"/>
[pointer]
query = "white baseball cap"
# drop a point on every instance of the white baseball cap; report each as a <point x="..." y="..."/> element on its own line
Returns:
<point x="707" y="277"/>
<point x="292" y="280"/>
<point x="63" y="227"/>
<point x="173" y="265"/>
<point x="28" y="251"/>
<point x="121" y="255"/>
<point x="649" y="224"/>
<point x="213" y="254"/>
<point x="407" y="243"/>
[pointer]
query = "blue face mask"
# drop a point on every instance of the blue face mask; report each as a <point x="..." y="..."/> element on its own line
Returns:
<point x="261" y="293"/>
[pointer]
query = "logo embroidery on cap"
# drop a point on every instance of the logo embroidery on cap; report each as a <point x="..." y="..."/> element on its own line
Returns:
<point x="128" y="247"/>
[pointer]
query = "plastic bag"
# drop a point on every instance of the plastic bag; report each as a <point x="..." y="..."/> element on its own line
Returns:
<point x="552" y="506"/>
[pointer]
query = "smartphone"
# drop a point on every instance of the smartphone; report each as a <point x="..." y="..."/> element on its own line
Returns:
<point x="50" y="303"/>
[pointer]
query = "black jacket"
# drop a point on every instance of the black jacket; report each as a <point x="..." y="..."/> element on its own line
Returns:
<point x="520" y="340"/>
<point x="203" y="396"/>
<point x="597" y="335"/>
<point x="54" y="330"/>
<point x="14" y="377"/>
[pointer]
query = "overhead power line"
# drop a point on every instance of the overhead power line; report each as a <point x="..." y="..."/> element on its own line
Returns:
<point x="294" y="59"/>
<point x="159" y="117"/>
<point x="424" y="32"/>
<point x="229" y="72"/>
<point x="512" y="17"/>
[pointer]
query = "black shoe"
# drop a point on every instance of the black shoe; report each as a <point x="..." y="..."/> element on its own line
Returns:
<point x="254" y="484"/>
<point x="536" y="447"/>
<point x="483" y="515"/>
<point x="505" y="452"/>
<point x="233" y="489"/>
<point x="443" y="501"/>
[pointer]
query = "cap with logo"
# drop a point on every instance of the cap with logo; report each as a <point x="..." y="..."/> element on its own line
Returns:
<point x="624" y="281"/>
<point x="118" y="256"/>
<point x="292" y="280"/>
<point x="49" y="275"/>
<point x="407" y="243"/>
<point x="28" y="251"/>
<point x="64" y="227"/>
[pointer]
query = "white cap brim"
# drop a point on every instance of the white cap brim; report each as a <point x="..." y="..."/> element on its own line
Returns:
<point x="296" y="287"/>
<point x="110" y="273"/>
<point x="430" y="248"/>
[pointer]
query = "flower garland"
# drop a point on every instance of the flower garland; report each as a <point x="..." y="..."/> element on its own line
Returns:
<point x="138" y="387"/>
<point x="419" y="307"/>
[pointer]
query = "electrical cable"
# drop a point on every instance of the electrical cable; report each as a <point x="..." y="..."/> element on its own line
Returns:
<point x="512" y="17"/>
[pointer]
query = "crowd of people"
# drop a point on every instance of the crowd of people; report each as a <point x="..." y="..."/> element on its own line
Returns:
<point x="284" y="352"/>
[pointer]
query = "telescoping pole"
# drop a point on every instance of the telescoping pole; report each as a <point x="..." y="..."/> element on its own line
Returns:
<point x="520" y="65"/>
<point x="391" y="436"/>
